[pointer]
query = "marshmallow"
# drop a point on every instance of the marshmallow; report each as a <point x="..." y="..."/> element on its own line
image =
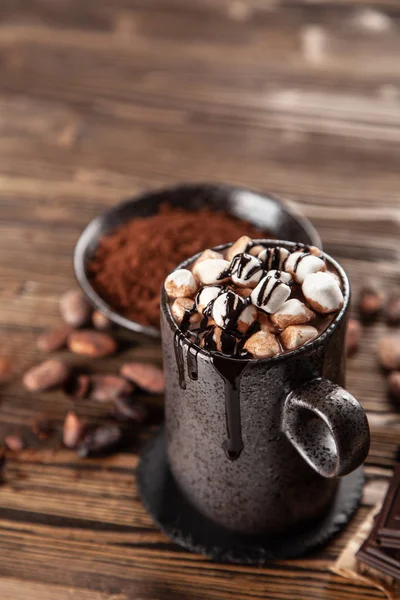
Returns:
<point x="246" y="270"/>
<point x="274" y="257"/>
<point x="315" y="251"/>
<point x="206" y="295"/>
<point x="180" y="284"/>
<point x="183" y="310"/>
<point x="322" y="292"/>
<point x="300" y="264"/>
<point x="292" y="312"/>
<point x="266" y="324"/>
<point x="255" y="250"/>
<point x="282" y="275"/>
<point x="219" y="340"/>
<point x="246" y="318"/>
<point x="270" y="293"/>
<point x="262" y="345"/>
<point x="238" y="247"/>
<point x="212" y="271"/>
<point x="295" y="336"/>
<point x="226" y="309"/>
<point x="207" y="254"/>
<point x="243" y="292"/>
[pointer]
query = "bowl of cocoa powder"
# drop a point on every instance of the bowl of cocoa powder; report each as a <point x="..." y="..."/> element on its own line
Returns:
<point x="123" y="256"/>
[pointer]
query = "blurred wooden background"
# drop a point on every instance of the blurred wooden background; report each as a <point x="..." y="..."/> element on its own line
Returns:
<point x="101" y="99"/>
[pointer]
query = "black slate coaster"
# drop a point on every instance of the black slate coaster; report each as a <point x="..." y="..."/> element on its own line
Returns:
<point x="186" y="526"/>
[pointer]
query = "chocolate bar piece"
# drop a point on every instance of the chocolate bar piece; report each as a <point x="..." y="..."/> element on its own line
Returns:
<point x="373" y="554"/>
<point x="388" y="523"/>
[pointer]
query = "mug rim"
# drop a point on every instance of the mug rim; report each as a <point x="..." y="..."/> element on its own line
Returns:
<point x="318" y="341"/>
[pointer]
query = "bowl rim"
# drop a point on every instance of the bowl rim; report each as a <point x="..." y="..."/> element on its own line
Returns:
<point x="92" y="228"/>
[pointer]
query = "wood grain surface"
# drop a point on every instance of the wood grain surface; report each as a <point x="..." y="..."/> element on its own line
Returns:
<point x="100" y="100"/>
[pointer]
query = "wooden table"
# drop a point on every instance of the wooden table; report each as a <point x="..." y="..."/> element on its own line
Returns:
<point x="100" y="100"/>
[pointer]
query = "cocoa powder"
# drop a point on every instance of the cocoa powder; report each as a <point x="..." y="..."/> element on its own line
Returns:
<point x="131" y="263"/>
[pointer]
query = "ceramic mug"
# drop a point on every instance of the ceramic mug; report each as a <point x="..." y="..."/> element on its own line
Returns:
<point x="299" y="428"/>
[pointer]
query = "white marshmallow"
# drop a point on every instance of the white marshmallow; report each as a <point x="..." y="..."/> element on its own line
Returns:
<point x="207" y="254"/>
<point x="282" y="275"/>
<point x="226" y="309"/>
<point x="206" y="295"/>
<point x="274" y="257"/>
<point x="322" y="292"/>
<point x="255" y="250"/>
<point x="292" y="312"/>
<point x="300" y="266"/>
<point x="246" y="270"/>
<point x="266" y="324"/>
<point x="262" y="345"/>
<point x="180" y="284"/>
<point x="246" y="318"/>
<point x="238" y="247"/>
<point x="181" y="307"/>
<point x="210" y="271"/>
<point x="270" y="293"/>
<point x="295" y="336"/>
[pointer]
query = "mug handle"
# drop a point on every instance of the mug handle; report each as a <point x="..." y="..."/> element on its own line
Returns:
<point x="327" y="426"/>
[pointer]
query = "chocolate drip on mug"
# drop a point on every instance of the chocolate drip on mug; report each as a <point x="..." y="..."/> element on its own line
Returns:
<point x="192" y="365"/>
<point x="231" y="372"/>
<point x="180" y="361"/>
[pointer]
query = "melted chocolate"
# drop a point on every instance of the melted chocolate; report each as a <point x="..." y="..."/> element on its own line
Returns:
<point x="192" y="366"/>
<point x="180" y="361"/>
<point x="231" y="372"/>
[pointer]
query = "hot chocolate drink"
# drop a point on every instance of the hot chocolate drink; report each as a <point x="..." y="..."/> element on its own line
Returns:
<point x="255" y="301"/>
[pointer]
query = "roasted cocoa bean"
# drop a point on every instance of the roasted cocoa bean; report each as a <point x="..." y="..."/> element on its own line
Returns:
<point x="126" y="409"/>
<point x="78" y="387"/>
<point x="353" y="336"/>
<point x="14" y="443"/>
<point x="42" y="427"/>
<point x="75" y="308"/>
<point x="145" y="375"/>
<point x="389" y="352"/>
<point x="370" y="303"/>
<point x="92" y="343"/>
<point x="100" y="321"/>
<point x="392" y="310"/>
<point x="49" y="374"/>
<point x="73" y="431"/>
<point x="100" y="440"/>
<point x="54" y="339"/>
<point x="106" y="388"/>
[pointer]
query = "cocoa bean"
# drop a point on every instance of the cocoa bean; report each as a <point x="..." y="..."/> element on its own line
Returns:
<point x="54" y="339"/>
<point x="14" y="443"/>
<point x="100" y="321"/>
<point x="146" y="376"/>
<point x="75" y="308"/>
<point x="78" y="387"/>
<point x="73" y="431"/>
<point x="92" y="343"/>
<point x="370" y="303"/>
<point x="353" y="336"/>
<point x="100" y="440"/>
<point x="389" y="352"/>
<point x="6" y="368"/>
<point x="126" y="409"/>
<point x="106" y="388"/>
<point x="49" y="374"/>
<point x="392" y="310"/>
<point x="42" y="427"/>
<point x="394" y="386"/>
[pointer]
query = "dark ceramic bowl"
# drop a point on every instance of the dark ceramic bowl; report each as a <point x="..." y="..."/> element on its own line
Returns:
<point x="276" y="216"/>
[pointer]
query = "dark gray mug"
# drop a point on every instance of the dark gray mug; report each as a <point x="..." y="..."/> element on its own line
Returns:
<point x="298" y="428"/>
